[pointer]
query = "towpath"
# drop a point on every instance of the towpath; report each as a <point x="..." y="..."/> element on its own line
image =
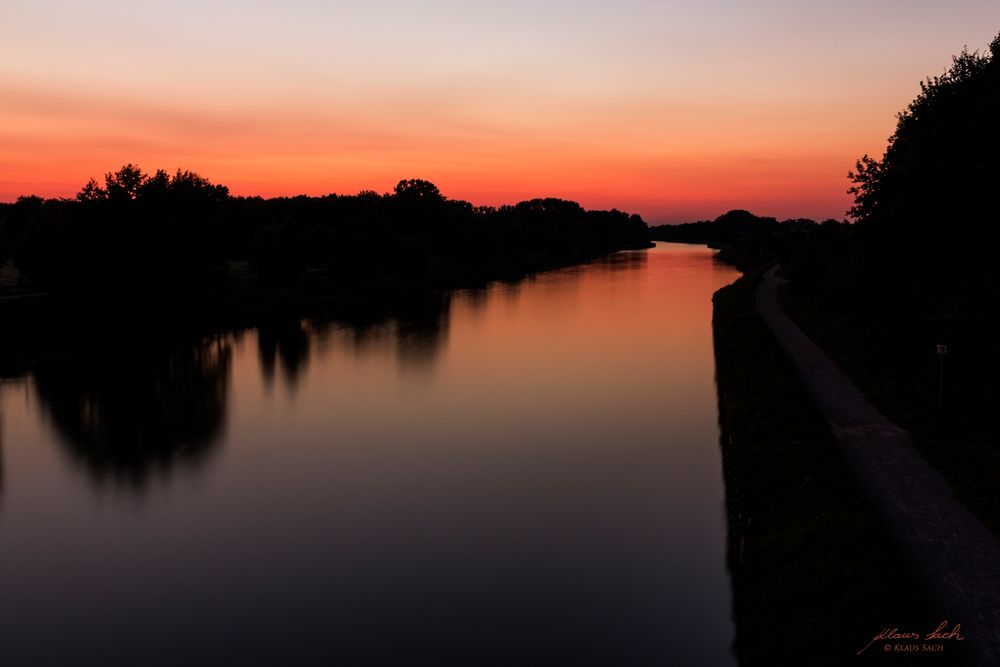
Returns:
<point x="949" y="552"/>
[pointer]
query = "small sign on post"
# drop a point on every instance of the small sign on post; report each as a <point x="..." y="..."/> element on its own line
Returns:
<point x="942" y="350"/>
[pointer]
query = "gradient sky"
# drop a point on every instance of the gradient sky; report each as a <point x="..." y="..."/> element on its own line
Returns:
<point x="675" y="109"/>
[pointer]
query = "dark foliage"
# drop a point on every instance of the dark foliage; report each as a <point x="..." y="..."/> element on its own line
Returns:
<point x="128" y="423"/>
<point x="139" y="238"/>
<point x="806" y="551"/>
<point x="919" y="269"/>
<point x="927" y="212"/>
<point x="166" y="242"/>
<point x="744" y="239"/>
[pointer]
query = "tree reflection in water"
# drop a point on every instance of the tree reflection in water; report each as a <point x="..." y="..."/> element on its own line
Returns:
<point x="416" y="333"/>
<point x="132" y="418"/>
<point x="620" y="261"/>
<point x="136" y="416"/>
<point x="1" y="456"/>
<point x="421" y="334"/>
<point x="285" y="342"/>
<point x="7" y="387"/>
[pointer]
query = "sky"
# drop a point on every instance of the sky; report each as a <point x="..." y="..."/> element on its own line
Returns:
<point x="674" y="109"/>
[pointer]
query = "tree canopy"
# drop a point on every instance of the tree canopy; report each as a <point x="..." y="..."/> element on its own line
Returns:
<point x="417" y="189"/>
<point x="172" y="239"/>
<point x="131" y="183"/>
<point x="939" y="177"/>
<point x="928" y="210"/>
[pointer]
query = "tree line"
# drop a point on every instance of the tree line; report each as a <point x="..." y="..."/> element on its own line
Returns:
<point x="742" y="238"/>
<point x="169" y="240"/>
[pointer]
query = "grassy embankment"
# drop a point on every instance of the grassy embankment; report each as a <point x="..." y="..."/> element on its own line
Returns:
<point x="814" y="575"/>
<point x="954" y="430"/>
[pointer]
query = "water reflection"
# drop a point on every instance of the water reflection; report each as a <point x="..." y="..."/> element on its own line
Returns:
<point x="8" y="388"/>
<point x="550" y="495"/>
<point x="628" y="260"/>
<point x="417" y="335"/>
<point x="286" y="342"/>
<point x="127" y="421"/>
<point x="1" y="452"/>
<point x="421" y="335"/>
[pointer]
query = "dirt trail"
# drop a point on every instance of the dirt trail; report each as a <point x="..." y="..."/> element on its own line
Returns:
<point x="949" y="552"/>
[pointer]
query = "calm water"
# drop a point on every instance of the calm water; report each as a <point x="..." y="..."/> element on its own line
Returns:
<point x="530" y="475"/>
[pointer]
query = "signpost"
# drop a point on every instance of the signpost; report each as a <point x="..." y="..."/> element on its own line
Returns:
<point x="942" y="350"/>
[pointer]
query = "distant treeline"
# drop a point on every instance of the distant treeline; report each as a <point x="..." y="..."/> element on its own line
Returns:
<point x="907" y="297"/>
<point x="167" y="241"/>
<point x="743" y="239"/>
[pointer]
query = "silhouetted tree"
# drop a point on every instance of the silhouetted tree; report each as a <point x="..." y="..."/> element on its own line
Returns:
<point x="927" y="211"/>
<point x="92" y="191"/>
<point x="125" y="183"/>
<point x="415" y="189"/>
<point x="167" y="243"/>
<point x="151" y="237"/>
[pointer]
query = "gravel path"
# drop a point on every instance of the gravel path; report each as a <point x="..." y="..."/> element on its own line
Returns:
<point x="949" y="552"/>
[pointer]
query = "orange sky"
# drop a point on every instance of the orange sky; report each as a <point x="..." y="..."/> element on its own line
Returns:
<point x="675" y="109"/>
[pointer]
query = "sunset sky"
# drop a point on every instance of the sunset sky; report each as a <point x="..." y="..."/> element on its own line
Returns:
<point x="675" y="109"/>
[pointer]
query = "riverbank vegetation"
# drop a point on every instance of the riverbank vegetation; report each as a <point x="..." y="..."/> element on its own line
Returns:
<point x="176" y="250"/>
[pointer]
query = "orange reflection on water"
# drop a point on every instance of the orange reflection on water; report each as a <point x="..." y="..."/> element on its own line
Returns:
<point x="530" y="462"/>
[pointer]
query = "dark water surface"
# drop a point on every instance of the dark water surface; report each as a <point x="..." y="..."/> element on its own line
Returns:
<point x="529" y="476"/>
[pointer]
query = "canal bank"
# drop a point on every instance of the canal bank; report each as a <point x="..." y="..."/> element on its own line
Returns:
<point x="814" y="574"/>
<point x="947" y="550"/>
